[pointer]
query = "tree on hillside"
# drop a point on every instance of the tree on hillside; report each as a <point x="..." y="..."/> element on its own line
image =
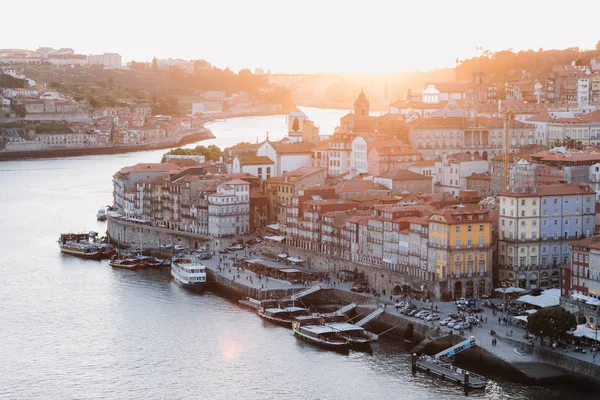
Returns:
<point x="212" y="152"/>
<point x="551" y="322"/>
<point x="138" y="65"/>
<point x="568" y="143"/>
<point x="154" y="63"/>
<point x="598" y="47"/>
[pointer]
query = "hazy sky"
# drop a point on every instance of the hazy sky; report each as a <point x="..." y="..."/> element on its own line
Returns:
<point x="370" y="36"/>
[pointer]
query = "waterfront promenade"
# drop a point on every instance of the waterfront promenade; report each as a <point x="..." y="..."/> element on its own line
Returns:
<point x="512" y="347"/>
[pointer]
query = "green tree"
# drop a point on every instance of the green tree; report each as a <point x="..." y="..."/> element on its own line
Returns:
<point x="154" y="64"/>
<point x="551" y="322"/>
<point x="212" y="152"/>
<point x="579" y="61"/>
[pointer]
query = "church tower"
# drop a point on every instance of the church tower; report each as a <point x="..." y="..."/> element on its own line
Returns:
<point x="361" y="105"/>
<point x="296" y="124"/>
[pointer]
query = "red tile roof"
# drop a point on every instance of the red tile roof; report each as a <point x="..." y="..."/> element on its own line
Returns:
<point x="350" y="186"/>
<point x="256" y="160"/>
<point x="293" y="148"/>
<point x="552" y="190"/>
<point x="149" y="167"/>
<point x="404" y="175"/>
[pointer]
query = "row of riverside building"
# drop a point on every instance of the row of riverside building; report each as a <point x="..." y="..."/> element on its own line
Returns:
<point x="436" y="223"/>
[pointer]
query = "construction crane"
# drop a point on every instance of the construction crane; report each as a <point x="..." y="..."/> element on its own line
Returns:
<point x="508" y="117"/>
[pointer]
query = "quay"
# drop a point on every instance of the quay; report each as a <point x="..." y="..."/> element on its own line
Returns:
<point x="511" y="357"/>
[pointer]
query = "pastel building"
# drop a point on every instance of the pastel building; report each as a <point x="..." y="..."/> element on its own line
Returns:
<point x="535" y="231"/>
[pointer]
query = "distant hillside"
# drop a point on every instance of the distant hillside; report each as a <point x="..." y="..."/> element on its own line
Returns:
<point x="103" y="87"/>
<point x="506" y="65"/>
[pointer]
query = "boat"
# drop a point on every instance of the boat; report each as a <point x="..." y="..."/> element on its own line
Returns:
<point x="124" y="263"/>
<point x="188" y="272"/>
<point x="79" y="245"/>
<point x="101" y="214"/>
<point x="356" y="335"/>
<point x="321" y="335"/>
<point x="107" y="251"/>
<point x="148" y="261"/>
<point x="282" y="316"/>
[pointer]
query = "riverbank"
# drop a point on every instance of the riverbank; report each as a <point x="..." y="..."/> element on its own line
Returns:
<point x="224" y="116"/>
<point x="191" y="137"/>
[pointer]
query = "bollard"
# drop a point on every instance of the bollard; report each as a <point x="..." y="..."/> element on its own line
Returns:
<point x="466" y="383"/>
<point x="414" y="363"/>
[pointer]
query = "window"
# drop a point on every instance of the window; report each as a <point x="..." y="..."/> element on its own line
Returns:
<point x="469" y="228"/>
<point x="457" y="243"/>
<point x="481" y="226"/>
<point x="481" y="241"/>
<point x="457" y="229"/>
<point x="522" y="202"/>
<point x="469" y="242"/>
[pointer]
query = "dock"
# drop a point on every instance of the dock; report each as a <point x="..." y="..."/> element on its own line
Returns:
<point x="448" y="372"/>
<point x="437" y="366"/>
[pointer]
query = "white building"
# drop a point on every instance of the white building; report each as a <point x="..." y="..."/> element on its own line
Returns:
<point x="207" y="107"/>
<point x="583" y="92"/>
<point x="109" y="60"/>
<point x="452" y="171"/>
<point x="260" y="166"/>
<point x="229" y="209"/>
<point x="359" y="163"/>
<point x="286" y="156"/>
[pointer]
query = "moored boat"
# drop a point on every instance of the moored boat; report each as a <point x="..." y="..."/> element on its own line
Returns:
<point x="321" y="335"/>
<point x="356" y="335"/>
<point x="282" y="316"/>
<point x="79" y="245"/>
<point x="124" y="263"/>
<point x="188" y="272"/>
<point x="101" y="214"/>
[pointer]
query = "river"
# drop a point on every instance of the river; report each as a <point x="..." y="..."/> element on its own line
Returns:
<point x="78" y="329"/>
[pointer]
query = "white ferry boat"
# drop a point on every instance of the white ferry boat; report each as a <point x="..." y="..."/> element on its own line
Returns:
<point x="356" y="335"/>
<point x="282" y="316"/>
<point x="321" y="335"/>
<point x="188" y="272"/>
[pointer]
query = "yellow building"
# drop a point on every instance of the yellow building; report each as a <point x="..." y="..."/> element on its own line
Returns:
<point x="460" y="252"/>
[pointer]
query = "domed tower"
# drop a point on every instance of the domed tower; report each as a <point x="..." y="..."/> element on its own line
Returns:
<point x="361" y="105"/>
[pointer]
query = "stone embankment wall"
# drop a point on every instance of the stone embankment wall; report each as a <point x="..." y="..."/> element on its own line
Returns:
<point x="377" y="277"/>
<point x="554" y="357"/>
<point x="128" y="234"/>
<point x="238" y="290"/>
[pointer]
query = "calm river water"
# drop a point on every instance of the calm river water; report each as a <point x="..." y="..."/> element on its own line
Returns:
<point x="77" y="329"/>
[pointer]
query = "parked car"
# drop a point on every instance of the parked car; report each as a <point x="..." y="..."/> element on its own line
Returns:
<point x="422" y="313"/>
<point x="236" y="247"/>
<point x="223" y="251"/>
<point x="178" y="247"/>
<point x="475" y="310"/>
<point x="166" y="246"/>
<point x="359" y="288"/>
<point x="412" y="313"/>
<point x="400" y="305"/>
<point x="462" y="326"/>
<point x="204" y="256"/>
<point x="433" y="317"/>
<point x="452" y="324"/>
<point x="462" y="300"/>
<point x="446" y="321"/>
